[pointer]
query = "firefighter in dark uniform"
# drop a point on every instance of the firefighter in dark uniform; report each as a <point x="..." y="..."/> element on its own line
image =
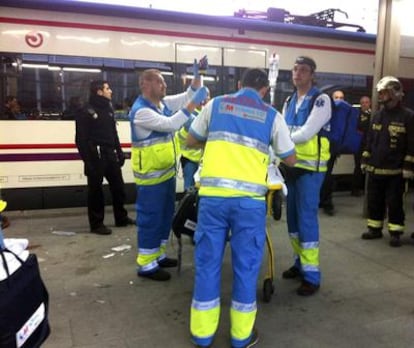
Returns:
<point x="99" y="147"/>
<point x="388" y="158"/>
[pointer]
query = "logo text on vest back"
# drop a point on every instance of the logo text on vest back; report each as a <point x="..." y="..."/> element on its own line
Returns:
<point x="242" y="111"/>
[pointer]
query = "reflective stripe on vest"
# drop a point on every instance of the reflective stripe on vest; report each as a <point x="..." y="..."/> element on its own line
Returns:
<point x="314" y="154"/>
<point x="152" y="158"/>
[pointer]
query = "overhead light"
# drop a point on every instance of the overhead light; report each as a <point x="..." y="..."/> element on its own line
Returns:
<point x="167" y="73"/>
<point x="204" y="78"/>
<point x="38" y="66"/>
<point x="82" y="70"/>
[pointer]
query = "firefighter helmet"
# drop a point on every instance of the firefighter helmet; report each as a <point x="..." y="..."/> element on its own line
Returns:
<point x="393" y="85"/>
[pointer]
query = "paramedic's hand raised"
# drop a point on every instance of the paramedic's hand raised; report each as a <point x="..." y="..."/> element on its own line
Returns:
<point x="200" y="95"/>
<point x="196" y="83"/>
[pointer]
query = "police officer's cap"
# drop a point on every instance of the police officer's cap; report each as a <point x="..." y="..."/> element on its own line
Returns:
<point x="307" y="61"/>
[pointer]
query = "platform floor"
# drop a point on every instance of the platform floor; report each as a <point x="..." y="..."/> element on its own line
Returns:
<point x="97" y="301"/>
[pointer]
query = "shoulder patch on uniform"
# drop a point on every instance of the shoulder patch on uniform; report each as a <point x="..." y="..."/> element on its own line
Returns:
<point x="319" y="102"/>
<point x="92" y="112"/>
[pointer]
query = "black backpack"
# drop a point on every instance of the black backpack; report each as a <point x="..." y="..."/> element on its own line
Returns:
<point x="185" y="216"/>
<point x="342" y="129"/>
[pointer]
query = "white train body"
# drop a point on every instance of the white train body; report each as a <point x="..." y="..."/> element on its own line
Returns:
<point x="42" y="154"/>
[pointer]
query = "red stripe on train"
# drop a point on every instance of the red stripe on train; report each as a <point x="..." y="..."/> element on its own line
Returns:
<point x="182" y="34"/>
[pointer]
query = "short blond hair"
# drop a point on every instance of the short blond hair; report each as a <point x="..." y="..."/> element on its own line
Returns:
<point x="148" y="75"/>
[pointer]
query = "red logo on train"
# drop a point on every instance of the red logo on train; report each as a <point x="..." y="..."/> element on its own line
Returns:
<point x="34" y="39"/>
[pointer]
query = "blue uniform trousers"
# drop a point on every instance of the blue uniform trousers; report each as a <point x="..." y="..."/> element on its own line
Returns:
<point x="303" y="224"/>
<point x="242" y="221"/>
<point x="155" y="209"/>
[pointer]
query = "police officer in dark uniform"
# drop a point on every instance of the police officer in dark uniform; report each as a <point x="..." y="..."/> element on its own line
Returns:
<point x="389" y="160"/>
<point x="99" y="147"/>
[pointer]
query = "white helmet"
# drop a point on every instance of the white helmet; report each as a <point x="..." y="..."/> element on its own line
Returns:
<point x="393" y="85"/>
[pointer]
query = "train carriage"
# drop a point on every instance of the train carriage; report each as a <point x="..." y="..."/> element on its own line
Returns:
<point x="50" y="50"/>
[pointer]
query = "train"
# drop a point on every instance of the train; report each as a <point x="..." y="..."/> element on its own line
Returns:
<point x="51" y="50"/>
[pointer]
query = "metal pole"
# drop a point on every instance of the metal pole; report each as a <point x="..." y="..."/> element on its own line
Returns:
<point x="273" y="74"/>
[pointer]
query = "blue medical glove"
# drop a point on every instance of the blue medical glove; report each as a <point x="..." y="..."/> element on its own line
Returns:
<point x="195" y="69"/>
<point x="200" y="95"/>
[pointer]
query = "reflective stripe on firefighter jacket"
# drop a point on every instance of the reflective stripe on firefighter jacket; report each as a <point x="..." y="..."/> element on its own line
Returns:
<point x="314" y="154"/>
<point x="152" y="158"/>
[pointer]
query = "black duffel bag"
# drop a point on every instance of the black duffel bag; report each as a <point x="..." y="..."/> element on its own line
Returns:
<point x="185" y="216"/>
<point x="24" y="305"/>
<point x="185" y="219"/>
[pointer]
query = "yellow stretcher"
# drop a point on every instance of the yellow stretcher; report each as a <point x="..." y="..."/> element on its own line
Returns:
<point x="274" y="210"/>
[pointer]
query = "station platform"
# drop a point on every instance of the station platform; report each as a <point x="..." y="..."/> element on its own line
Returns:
<point x="97" y="301"/>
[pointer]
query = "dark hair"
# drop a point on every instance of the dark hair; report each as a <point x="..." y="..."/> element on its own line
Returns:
<point x="10" y="98"/>
<point x="96" y="85"/>
<point x="75" y="101"/>
<point x="306" y="60"/>
<point x="255" y="78"/>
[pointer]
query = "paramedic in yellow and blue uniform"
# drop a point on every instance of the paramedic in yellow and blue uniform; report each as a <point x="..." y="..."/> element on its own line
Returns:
<point x="305" y="179"/>
<point x="154" y="118"/>
<point x="236" y="130"/>
<point x="190" y="157"/>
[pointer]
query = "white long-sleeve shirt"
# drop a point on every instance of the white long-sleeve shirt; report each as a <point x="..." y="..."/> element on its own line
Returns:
<point x="317" y="119"/>
<point x="147" y="120"/>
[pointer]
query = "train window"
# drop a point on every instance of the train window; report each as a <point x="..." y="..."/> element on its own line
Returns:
<point x="39" y="92"/>
<point x="44" y="84"/>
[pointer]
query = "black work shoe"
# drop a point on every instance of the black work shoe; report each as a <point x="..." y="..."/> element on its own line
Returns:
<point x="395" y="241"/>
<point x="128" y="221"/>
<point x="307" y="289"/>
<point x="372" y="234"/>
<point x="167" y="263"/>
<point x="159" y="275"/>
<point x="292" y="273"/>
<point x="101" y="230"/>
<point x="254" y="339"/>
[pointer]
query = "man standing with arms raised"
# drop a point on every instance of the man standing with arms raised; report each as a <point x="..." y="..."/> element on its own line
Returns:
<point x="154" y="118"/>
